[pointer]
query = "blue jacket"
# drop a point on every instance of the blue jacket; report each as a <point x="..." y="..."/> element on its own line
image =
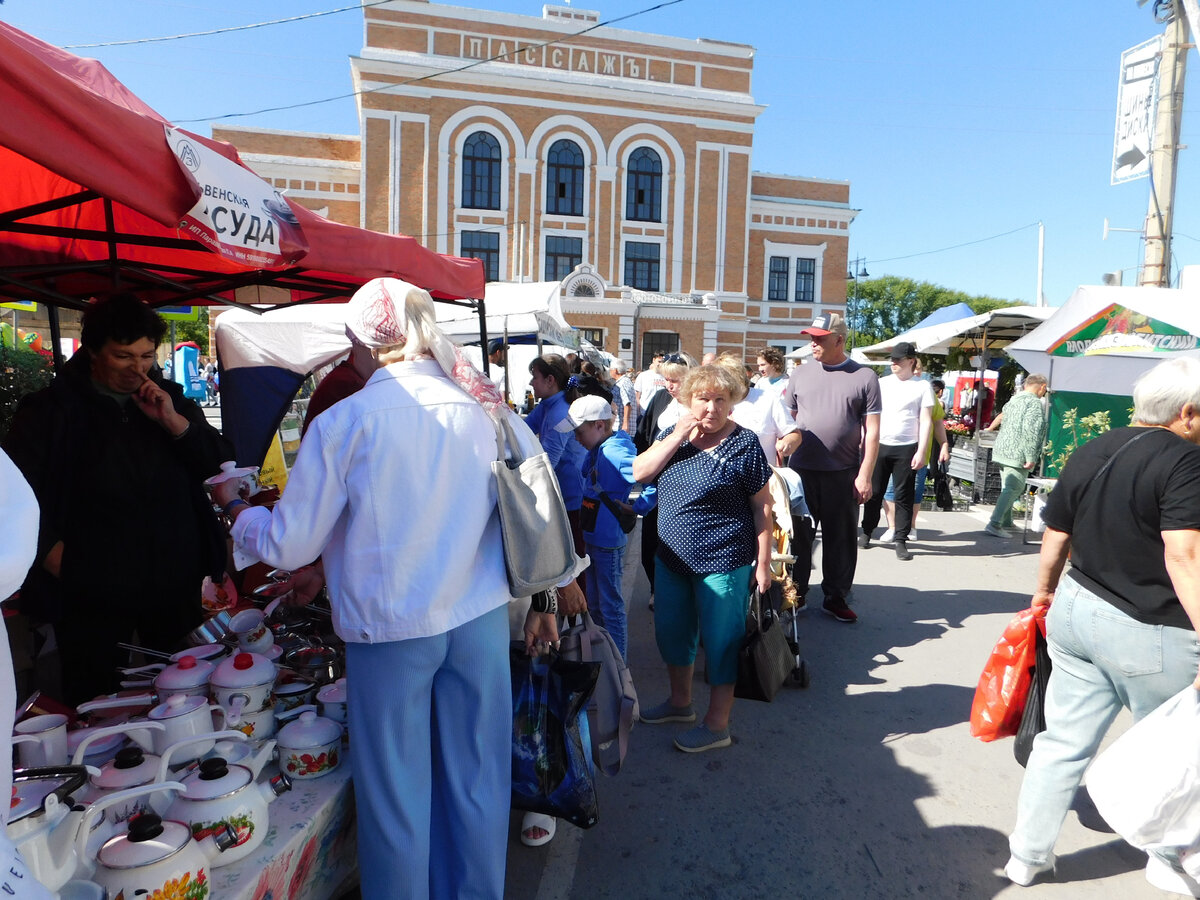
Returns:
<point x="566" y="454"/>
<point x="609" y="468"/>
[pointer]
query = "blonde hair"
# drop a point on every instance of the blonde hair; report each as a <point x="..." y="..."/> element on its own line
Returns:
<point x="712" y="377"/>
<point x="676" y="370"/>
<point x="422" y="335"/>
<point x="737" y="368"/>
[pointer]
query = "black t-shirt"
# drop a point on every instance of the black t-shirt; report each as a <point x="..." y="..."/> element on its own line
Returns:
<point x="1115" y="520"/>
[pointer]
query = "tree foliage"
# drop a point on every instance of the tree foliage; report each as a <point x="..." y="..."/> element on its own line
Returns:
<point x="884" y="307"/>
<point x="194" y="331"/>
<point x="21" y="372"/>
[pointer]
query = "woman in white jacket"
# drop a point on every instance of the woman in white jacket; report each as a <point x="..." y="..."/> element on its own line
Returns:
<point x="393" y="489"/>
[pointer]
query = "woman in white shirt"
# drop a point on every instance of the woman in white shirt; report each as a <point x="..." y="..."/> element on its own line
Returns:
<point x="393" y="489"/>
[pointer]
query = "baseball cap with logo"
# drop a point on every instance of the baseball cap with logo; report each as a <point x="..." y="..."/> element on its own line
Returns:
<point x="828" y="323"/>
<point x="586" y="409"/>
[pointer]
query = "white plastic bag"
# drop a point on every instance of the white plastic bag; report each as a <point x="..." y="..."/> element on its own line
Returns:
<point x="1147" y="784"/>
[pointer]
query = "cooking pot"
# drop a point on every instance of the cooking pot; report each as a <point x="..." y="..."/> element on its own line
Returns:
<point x="310" y="746"/>
<point x="257" y="726"/>
<point x="185" y="717"/>
<point x="212" y="630"/>
<point x="322" y="664"/>
<point x="188" y="676"/>
<point x="332" y="700"/>
<point x="243" y="682"/>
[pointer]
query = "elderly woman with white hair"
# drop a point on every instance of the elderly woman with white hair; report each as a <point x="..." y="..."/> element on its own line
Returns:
<point x="1122" y="622"/>
<point x="393" y="489"/>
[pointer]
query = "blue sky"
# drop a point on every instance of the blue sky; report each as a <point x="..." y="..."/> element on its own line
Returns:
<point x="953" y="123"/>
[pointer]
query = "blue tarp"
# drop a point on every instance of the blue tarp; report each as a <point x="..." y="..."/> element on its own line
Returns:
<point x="950" y="313"/>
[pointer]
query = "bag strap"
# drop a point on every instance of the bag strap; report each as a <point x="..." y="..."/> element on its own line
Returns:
<point x="588" y="628"/>
<point x="508" y="451"/>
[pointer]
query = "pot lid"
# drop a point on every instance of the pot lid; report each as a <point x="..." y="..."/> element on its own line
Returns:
<point x="244" y="670"/>
<point x="333" y="693"/>
<point x="31" y="787"/>
<point x="204" y="651"/>
<point x="309" y="730"/>
<point x="230" y="469"/>
<point x="215" y="778"/>
<point x="150" y="839"/>
<point x="189" y="672"/>
<point x="103" y="747"/>
<point x="130" y="768"/>
<point x="177" y="705"/>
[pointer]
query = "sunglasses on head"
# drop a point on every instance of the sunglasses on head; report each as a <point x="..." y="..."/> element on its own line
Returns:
<point x="674" y="358"/>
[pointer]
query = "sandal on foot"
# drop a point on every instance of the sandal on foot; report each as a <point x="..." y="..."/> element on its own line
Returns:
<point x="537" y="829"/>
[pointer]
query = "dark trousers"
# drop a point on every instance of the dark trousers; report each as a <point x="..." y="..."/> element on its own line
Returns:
<point x="91" y="627"/>
<point x="893" y="464"/>
<point x="580" y="549"/>
<point x="831" y="500"/>
<point x="649" y="544"/>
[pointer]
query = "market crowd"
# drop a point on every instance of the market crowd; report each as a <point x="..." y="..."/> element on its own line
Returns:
<point x="116" y="458"/>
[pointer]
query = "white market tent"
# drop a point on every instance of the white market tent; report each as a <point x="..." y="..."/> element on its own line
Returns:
<point x="1103" y="337"/>
<point x="527" y="312"/>
<point x="993" y="329"/>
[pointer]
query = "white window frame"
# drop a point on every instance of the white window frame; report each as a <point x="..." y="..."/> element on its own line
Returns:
<point x="793" y="252"/>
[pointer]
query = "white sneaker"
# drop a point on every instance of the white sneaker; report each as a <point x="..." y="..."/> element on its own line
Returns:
<point x="1025" y="875"/>
<point x="996" y="532"/>
<point x="912" y="534"/>
<point x="888" y="536"/>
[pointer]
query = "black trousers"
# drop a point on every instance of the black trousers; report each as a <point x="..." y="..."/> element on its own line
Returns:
<point x="649" y="544"/>
<point x="893" y="464"/>
<point x="830" y="498"/>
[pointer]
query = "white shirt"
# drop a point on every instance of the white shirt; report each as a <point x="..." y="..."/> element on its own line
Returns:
<point x="393" y="488"/>
<point x="763" y="413"/>
<point x="646" y="385"/>
<point x="900" y="420"/>
<point x="669" y="416"/>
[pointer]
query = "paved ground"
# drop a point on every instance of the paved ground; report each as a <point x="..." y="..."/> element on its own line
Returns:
<point x="866" y="785"/>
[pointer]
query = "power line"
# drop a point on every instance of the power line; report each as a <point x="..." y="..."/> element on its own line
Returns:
<point x="432" y="75"/>
<point x="232" y="28"/>
<point x="954" y="246"/>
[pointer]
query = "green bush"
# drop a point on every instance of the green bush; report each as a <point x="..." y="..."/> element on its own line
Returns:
<point x="21" y="372"/>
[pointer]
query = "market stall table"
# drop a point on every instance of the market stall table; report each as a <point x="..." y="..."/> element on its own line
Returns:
<point x="309" y="851"/>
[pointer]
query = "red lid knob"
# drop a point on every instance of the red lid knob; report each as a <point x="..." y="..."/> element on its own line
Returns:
<point x="243" y="661"/>
<point x="187" y="662"/>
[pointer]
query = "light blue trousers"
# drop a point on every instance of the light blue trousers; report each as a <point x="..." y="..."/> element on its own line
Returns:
<point x="431" y="733"/>
<point x="1103" y="660"/>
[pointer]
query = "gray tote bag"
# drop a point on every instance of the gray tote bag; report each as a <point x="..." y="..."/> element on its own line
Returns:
<point x="539" y="551"/>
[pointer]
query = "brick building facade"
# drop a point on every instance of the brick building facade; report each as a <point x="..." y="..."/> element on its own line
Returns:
<point x="618" y="162"/>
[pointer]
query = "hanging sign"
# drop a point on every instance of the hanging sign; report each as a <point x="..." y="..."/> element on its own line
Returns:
<point x="238" y="216"/>
<point x="1137" y="99"/>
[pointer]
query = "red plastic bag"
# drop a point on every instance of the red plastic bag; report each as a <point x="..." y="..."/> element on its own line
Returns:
<point x="1004" y="685"/>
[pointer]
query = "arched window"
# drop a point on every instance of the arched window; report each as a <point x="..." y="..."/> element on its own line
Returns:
<point x="643" y="186"/>
<point x="564" y="179"/>
<point x="481" y="172"/>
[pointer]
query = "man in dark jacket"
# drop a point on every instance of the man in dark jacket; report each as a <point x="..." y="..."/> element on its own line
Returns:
<point x="117" y="457"/>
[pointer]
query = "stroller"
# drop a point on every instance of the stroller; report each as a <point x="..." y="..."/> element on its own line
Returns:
<point x="783" y="596"/>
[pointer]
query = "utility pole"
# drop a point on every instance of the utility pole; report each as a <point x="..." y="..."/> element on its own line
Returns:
<point x="1156" y="264"/>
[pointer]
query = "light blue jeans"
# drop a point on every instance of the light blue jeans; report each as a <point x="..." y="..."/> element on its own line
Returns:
<point x="432" y="725"/>
<point x="1103" y="660"/>
<point x="1012" y="484"/>
<point x="605" y="603"/>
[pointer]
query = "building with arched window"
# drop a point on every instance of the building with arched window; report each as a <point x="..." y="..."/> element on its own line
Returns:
<point x="617" y="162"/>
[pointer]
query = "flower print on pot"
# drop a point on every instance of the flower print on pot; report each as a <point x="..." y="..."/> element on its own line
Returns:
<point x="309" y="747"/>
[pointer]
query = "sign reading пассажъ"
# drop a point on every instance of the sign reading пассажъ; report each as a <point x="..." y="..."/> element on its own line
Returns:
<point x="1116" y="329"/>
<point x="238" y="215"/>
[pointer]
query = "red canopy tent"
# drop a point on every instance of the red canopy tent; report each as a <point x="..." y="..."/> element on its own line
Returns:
<point x="93" y="201"/>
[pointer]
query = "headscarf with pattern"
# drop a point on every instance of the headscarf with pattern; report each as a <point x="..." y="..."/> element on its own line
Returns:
<point x="376" y="317"/>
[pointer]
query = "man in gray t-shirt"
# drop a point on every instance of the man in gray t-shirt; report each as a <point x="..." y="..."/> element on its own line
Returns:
<point x="836" y="403"/>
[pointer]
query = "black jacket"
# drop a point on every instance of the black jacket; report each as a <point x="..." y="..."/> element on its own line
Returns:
<point x="647" y="427"/>
<point x="124" y="497"/>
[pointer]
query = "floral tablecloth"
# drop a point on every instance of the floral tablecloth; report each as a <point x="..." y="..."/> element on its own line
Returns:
<point x="309" y="851"/>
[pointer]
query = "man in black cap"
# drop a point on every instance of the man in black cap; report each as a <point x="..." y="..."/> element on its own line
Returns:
<point x="836" y="404"/>
<point x="904" y="429"/>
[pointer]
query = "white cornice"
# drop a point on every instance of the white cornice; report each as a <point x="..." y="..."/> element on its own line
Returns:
<point x="510" y="76"/>
<point x="762" y="206"/>
<point x="417" y="10"/>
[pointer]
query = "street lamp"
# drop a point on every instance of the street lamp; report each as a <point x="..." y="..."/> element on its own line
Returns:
<point x="856" y="269"/>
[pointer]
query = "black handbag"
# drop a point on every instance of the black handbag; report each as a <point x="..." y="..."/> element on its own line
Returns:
<point x="942" y="497"/>
<point x="765" y="659"/>
<point x="1033" y="719"/>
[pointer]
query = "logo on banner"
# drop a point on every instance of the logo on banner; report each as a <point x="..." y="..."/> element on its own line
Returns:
<point x="237" y="215"/>
<point x="1117" y="329"/>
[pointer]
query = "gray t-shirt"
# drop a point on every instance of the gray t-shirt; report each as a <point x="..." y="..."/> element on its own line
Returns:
<point x="831" y="404"/>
